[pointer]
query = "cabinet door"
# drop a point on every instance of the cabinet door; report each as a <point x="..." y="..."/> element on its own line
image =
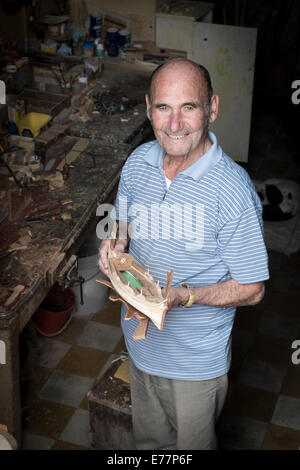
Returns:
<point x="228" y="53"/>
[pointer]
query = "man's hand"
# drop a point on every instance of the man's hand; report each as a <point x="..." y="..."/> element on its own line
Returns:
<point x="177" y="296"/>
<point x="120" y="246"/>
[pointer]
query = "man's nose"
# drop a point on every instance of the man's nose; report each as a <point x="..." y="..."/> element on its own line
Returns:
<point x="175" y="123"/>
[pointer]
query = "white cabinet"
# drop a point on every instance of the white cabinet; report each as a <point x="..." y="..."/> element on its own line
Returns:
<point x="228" y="53"/>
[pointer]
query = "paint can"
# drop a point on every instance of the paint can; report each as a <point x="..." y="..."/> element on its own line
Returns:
<point x="96" y="32"/>
<point x="113" y="50"/>
<point x="124" y="37"/>
<point x="112" y="42"/>
<point x="96" y="20"/>
<point x="112" y="35"/>
<point x="123" y="41"/>
<point x="88" y="48"/>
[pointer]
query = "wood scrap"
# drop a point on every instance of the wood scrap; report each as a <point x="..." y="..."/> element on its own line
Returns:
<point x="81" y="145"/>
<point x="71" y="156"/>
<point x="141" y="330"/>
<point x="47" y="210"/>
<point x="48" y="137"/>
<point x="56" y="180"/>
<point x="52" y="271"/>
<point x="113" y="20"/>
<point x="84" y="110"/>
<point x="15" y="294"/>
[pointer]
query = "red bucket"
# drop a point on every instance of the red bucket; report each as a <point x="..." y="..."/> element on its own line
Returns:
<point x="54" y="313"/>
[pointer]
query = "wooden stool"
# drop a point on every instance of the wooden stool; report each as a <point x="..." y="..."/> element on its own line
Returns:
<point x="110" y="412"/>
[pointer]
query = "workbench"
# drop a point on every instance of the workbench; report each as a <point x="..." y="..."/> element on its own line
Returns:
<point x="53" y="235"/>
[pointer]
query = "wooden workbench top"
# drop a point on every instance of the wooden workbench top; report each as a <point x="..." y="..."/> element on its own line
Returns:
<point x="56" y="216"/>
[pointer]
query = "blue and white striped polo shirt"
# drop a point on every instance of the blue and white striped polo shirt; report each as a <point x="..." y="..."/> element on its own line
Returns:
<point x="208" y="228"/>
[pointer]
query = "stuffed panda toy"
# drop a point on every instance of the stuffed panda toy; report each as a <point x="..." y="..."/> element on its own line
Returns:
<point x="280" y="198"/>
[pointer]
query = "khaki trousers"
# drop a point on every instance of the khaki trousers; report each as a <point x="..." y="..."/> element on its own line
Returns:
<point x="175" y="414"/>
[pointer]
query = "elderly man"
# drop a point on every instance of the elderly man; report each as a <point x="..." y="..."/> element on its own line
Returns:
<point x="215" y="245"/>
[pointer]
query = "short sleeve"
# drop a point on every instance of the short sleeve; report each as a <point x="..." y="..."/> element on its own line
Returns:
<point x="242" y="248"/>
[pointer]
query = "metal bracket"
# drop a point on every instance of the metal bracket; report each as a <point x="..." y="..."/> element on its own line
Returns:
<point x="68" y="276"/>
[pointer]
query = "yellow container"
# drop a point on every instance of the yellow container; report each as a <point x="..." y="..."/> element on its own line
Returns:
<point x="32" y="123"/>
<point x="50" y="47"/>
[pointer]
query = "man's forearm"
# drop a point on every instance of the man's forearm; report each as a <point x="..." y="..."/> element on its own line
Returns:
<point x="229" y="293"/>
<point x="224" y="294"/>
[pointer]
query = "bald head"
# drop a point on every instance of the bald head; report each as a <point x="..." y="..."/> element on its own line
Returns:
<point x="190" y="68"/>
<point x="180" y="106"/>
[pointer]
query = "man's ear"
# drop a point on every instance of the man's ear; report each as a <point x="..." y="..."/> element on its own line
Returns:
<point x="214" y="108"/>
<point x="148" y="104"/>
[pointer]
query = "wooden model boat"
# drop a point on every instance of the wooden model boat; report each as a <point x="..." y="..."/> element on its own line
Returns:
<point x="137" y="289"/>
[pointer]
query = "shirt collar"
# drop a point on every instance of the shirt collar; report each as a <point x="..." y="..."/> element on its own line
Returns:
<point x="155" y="154"/>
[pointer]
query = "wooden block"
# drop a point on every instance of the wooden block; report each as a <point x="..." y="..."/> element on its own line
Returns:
<point x="69" y="158"/>
<point x="52" y="271"/>
<point x="81" y="145"/>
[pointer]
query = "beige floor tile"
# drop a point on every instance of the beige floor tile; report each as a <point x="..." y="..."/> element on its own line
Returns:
<point x="100" y="336"/>
<point x="84" y="361"/>
<point x="30" y="388"/>
<point x="110" y="314"/>
<point x="73" y="331"/>
<point x="46" y="418"/>
<point x="281" y="438"/>
<point x="84" y="405"/>
<point x="121" y="346"/>
<point x="50" y="351"/>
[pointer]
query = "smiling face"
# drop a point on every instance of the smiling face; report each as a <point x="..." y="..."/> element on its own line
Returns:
<point x="178" y="109"/>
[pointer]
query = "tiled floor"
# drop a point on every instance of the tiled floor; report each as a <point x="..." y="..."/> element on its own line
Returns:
<point x="262" y="410"/>
<point x="55" y="407"/>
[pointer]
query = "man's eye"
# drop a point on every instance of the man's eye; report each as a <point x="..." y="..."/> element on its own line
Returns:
<point x="162" y="108"/>
<point x="189" y="108"/>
